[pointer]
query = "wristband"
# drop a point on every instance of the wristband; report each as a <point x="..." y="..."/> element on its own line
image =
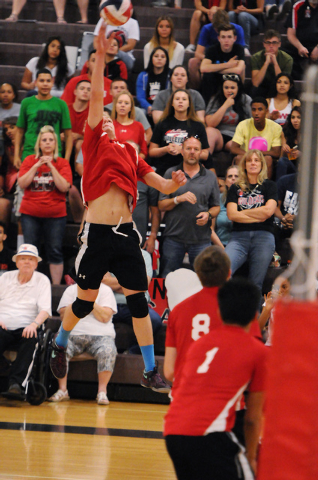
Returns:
<point x="36" y="323"/>
<point x="210" y="216"/>
<point x="175" y="200"/>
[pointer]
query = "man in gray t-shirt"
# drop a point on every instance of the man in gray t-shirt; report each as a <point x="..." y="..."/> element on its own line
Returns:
<point x="189" y="210"/>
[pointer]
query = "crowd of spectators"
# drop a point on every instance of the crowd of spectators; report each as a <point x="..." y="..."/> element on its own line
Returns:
<point x="218" y="113"/>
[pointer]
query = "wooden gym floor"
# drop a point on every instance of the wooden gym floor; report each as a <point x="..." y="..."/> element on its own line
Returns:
<point x="84" y="441"/>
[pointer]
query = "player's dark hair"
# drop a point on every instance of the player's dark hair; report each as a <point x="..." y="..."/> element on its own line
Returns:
<point x="3" y="225"/>
<point x="238" y="301"/>
<point x="61" y="64"/>
<point x="260" y="100"/>
<point x="43" y="71"/>
<point x="212" y="266"/>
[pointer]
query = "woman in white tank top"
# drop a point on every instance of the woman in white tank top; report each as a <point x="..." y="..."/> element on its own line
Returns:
<point x="283" y="99"/>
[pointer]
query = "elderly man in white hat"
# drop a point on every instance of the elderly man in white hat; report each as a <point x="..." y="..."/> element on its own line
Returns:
<point x="25" y="303"/>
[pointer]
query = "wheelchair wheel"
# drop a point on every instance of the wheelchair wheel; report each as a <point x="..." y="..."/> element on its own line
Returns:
<point x="36" y="393"/>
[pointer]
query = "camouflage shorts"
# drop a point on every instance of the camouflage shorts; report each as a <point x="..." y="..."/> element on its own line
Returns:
<point x="102" y="348"/>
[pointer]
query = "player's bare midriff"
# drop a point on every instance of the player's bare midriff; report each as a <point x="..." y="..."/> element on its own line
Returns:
<point x="109" y="208"/>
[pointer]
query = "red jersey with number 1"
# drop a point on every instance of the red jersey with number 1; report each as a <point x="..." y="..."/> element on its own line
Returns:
<point x="108" y="161"/>
<point x="191" y="319"/>
<point x="219" y="367"/>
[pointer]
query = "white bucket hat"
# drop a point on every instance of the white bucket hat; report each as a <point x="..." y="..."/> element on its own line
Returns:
<point x="27" y="249"/>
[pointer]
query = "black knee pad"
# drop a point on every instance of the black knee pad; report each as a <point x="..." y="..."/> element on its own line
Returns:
<point x="137" y="305"/>
<point x="81" y="308"/>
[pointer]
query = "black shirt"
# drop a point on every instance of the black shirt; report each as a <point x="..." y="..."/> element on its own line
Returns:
<point x="256" y="196"/>
<point x="172" y="130"/>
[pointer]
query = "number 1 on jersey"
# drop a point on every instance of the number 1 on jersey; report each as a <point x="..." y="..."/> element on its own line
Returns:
<point x="209" y="357"/>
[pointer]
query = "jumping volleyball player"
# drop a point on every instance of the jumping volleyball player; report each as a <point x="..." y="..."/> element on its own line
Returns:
<point x="110" y="241"/>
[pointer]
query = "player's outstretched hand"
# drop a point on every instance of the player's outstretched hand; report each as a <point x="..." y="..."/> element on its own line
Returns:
<point x="179" y="177"/>
<point x="102" y="43"/>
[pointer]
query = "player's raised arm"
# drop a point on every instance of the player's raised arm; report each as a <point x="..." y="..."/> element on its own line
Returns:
<point x="164" y="185"/>
<point x="96" y="106"/>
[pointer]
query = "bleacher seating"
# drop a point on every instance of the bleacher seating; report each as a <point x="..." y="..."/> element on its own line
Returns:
<point x="23" y="40"/>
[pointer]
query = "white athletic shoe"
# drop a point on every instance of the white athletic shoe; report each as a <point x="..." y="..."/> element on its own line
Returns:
<point x="247" y="53"/>
<point x="59" y="396"/>
<point x="190" y="48"/>
<point x="102" y="398"/>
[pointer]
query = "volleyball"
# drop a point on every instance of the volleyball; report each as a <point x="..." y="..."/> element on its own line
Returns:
<point x="116" y="12"/>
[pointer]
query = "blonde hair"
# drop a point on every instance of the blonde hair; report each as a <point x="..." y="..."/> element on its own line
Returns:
<point x="155" y="41"/>
<point x="132" y="113"/>
<point x="243" y="181"/>
<point x="37" y="149"/>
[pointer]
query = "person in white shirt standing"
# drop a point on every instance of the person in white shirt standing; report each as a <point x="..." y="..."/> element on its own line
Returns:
<point x="25" y="303"/>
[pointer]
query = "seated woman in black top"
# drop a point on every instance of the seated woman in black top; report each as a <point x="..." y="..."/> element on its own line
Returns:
<point x="178" y="121"/>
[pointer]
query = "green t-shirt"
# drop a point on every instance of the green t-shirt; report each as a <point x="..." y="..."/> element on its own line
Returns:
<point x="284" y="61"/>
<point x="34" y="114"/>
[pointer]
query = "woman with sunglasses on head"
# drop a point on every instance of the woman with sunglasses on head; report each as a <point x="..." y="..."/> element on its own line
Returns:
<point x="283" y="98"/>
<point x="224" y="111"/>
<point x="154" y="79"/>
<point x="178" y="121"/>
<point x="164" y="37"/>
<point x="221" y="227"/>
<point x="53" y="57"/>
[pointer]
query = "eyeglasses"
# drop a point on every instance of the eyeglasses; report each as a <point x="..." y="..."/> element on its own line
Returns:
<point x="231" y="76"/>
<point x="271" y="43"/>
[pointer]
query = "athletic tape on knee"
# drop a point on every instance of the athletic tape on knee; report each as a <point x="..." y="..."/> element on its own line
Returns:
<point x="137" y="305"/>
<point x="81" y="308"/>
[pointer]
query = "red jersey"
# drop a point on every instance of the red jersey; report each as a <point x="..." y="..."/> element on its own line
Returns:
<point x="134" y="132"/>
<point x="78" y="119"/>
<point x="219" y="367"/>
<point x="41" y="198"/>
<point x="191" y="319"/>
<point x="108" y="161"/>
<point x="68" y="94"/>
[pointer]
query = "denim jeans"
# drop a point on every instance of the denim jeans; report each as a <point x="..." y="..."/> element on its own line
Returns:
<point x="53" y="231"/>
<point x="173" y="253"/>
<point x="248" y="22"/>
<point x="257" y="248"/>
<point x="284" y="167"/>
